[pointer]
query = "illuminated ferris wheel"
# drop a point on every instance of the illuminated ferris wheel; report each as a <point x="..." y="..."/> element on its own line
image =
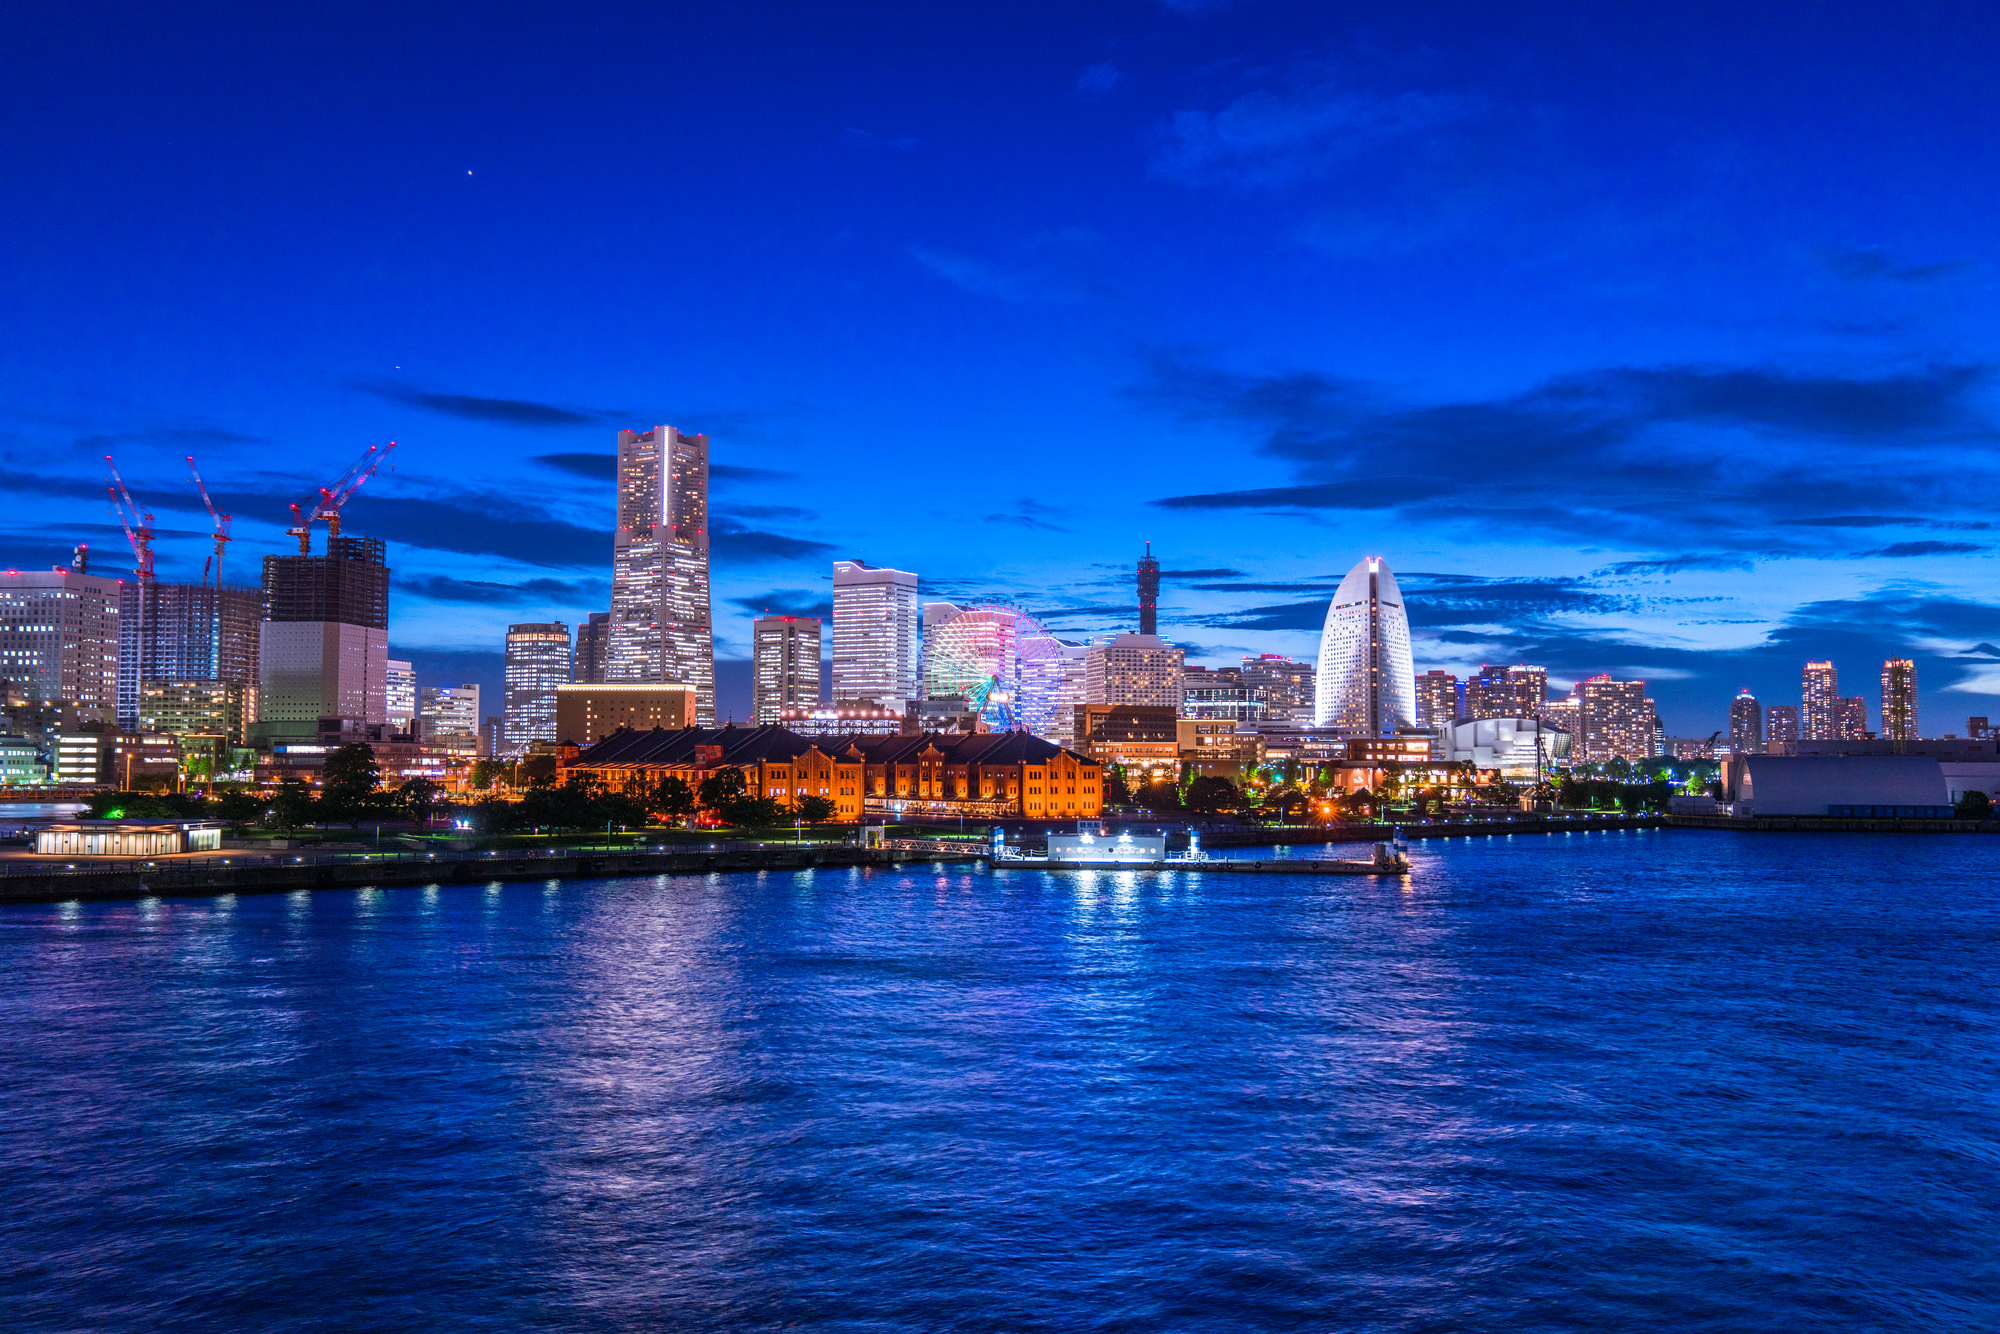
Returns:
<point x="1001" y="661"/>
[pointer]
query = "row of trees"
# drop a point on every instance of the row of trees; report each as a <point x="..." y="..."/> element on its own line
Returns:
<point x="582" y="802"/>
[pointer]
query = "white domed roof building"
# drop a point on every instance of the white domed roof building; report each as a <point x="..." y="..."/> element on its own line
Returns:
<point x="1367" y="684"/>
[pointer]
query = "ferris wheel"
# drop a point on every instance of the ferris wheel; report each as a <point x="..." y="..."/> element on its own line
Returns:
<point x="1006" y="666"/>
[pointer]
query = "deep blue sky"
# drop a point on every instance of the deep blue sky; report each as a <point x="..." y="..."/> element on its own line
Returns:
<point x="1649" y="339"/>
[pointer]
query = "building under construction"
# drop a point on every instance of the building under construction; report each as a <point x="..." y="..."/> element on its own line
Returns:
<point x="183" y="633"/>
<point x="324" y="647"/>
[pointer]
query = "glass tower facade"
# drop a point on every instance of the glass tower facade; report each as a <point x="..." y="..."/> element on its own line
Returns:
<point x="538" y="660"/>
<point x="660" y="627"/>
<point x="1899" y="700"/>
<point x="875" y="638"/>
<point x="1367" y="682"/>
<point x="1819" y="704"/>
<point x="784" y="660"/>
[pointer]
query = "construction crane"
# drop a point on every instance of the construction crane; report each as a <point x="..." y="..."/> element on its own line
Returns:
<point x="221" y="522"/>
<point x="331" y="498"/>
<point x="138" y="524"/>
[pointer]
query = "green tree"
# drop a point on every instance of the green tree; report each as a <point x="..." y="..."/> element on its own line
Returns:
<point x="813" y="809"/>
<point x="719" y="789"/>
<point x="1974" y="805"/>
<point x="673" y="798"/>
<point x="1116" y="791"/>
<point x="1161" y="797"/>
<point x="535" y="769"/>
<point x="347" y="788"/>
<point x="293" y="806"/>
<point x="747" y="812"/>
<point x="419" y="796"/>
<point x="483" y="774"/>
<point x="1213" y="794"/>
<point x="239" y="807"/>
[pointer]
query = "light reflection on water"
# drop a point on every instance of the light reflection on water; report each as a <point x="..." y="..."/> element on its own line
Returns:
<point x="1641" y="1079"/>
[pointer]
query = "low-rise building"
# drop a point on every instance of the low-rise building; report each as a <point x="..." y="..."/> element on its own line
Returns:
<point x="124" y="760"/>
<point x="1217" y="748"/>
<point x="1143" y="740"/>
<point x="587" y="714"/>
<point x="1517" y="749"/>
<point x="1836" y="785"/>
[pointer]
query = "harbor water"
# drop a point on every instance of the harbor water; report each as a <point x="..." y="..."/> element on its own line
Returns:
<point x="1652" y="1079"/>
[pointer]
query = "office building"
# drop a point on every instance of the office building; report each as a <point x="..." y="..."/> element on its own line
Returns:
<point x="784" y="664"/>
<point x="129" y="761"/>
<point x="1075" y="690"/>
<point x="399" y="695"/>
<point x="660" y="628"/>
<point x="1367" y="683"/>
<point x="1282" y="685"/>
<point x="1850" y="718"/>
<point x="537" y="662"/>
<point x="1899" y="700"/>
<point x="451" y="718"/>
<point x="593" y="649"/>
<point x="1219" y="694"/>
<point x="1134" y="670"/>
<point x="1143" y="740"/>
<point x="202" y="714"/>
<point x="493" y="737"/>
<point x="1819" y="702"/>
<point x="876" y="653"/>
<point x="323" y="650"/>
<point x="1746" y="724"/>
<point x="59" y="638"/>
<point x="1781" y="725"/>
<point x="21" y="763"/>
<point x="1149" y="593"/>
<point x="586" y="714"/>
<point x="1614" y="721"/>
<point x="1437" y="698"/>
<point x="829" y="720"/>
<point x="184" y="632"/>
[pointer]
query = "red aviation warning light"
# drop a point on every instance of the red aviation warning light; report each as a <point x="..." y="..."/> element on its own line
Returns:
<point x="331" y="498"/>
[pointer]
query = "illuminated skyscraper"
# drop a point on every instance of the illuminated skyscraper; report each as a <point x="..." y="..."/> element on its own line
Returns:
<point x="1437" y="698"/>
<point x="1614" y="721"/>
<point x="784" y="661"/>
<point x="1531" y="688"/>
<point x="451" y="717"/>
<point x="1367" y="683"/>
<point x="1819" y="702"/>
<point x="1149" y="593"/>
<point x="1781" y="724"/>
<point x="538" y="660"/>
<point x="1134" y="669"/>
<point x="593" y="650"/>
<point x="1850" y="718"/>
<point x="400" y="695"/>
<point x="1283" y="685"/>
<point x="660" y="629"/>
<point x="875" y="639"/>
<point x="1746" y="724"/>
<point x="323" y="649"/>
<point x="1899" y="700"/>
<point x="59" y="638"/>
<point x="184" y="632"/>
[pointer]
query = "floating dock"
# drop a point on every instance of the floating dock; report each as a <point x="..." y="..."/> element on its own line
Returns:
<point x="1386" y="861"/>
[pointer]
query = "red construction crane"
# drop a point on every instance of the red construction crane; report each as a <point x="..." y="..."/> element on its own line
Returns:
<point x="331" y="498"/>
<point x="221" y="525"/>
<point x="138" y="524"/>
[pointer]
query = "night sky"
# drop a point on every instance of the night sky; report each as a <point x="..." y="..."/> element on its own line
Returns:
<point x="1655" y="339"/>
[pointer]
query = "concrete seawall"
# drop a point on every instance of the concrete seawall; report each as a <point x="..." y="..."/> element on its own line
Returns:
<point x="1830" y="824"/>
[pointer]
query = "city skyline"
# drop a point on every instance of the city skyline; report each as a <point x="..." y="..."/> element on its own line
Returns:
<point x="1743" y="375"/>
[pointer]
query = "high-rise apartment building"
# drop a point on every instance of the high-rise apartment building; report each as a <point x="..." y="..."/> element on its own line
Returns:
<point x="1489" y="693"/>
<point x="399" y="695"/>
<point x="784" y="664"/>
<point x="1149" y="592"/>
<point x="876" y="648"/>
<point x="1283" y="685"/>
<point x="1899" y="700"/>
<point x="1819" y="702"/>
<point x="1134" y="669"/>
<point x="537" y="662"/>
<point x="1437" y="698"/>
<point x="660" y="627"/>
<point x="184" y="632"/>
<point x="323" y="649"/>
<point x="451" y="718"/>
<point x="1781" y="724"/>
<point x="1850" y="718"/>
<point x="1614" y="721"/>
<point x="59" y="638"/>
<point x="1531" y="689"/>
<point x="593" y="650"/>
<point x="1367" y="683"/>
<point x="1746" y="724"/>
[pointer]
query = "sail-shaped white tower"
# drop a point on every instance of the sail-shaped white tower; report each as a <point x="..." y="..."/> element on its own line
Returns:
<point x="1367" y="683"/>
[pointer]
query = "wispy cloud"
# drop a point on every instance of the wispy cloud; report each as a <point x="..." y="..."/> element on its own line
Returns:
<point x="504" y="411"/>
<point x="1051" y="268"/>
<point x="787" y="602"/>
<point x="1872" y="263"/>
<point x="1034" y="515"/>
<point x="734" y="541"/>
<point x="442" y="588"/>
<point x="1900" y="549"/>
<point x="1098" y="80"/>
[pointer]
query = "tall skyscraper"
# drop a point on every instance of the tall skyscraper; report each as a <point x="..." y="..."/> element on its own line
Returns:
<point x="400" y="695"/>
<point x="1489" y="693"/>
<point x="1899" y="700"/>
<point x="59" y="638"/>
<point x="1819" y="702"/>
<point x="323" y="650"/>
<point x="1134" y="669"/>
<point x="1531" y="688"/>
<point x="1149" y="593"/>
<point x="1850" y="718"/>
<point x="1614" y="721"/>
<point x="537" y="662"/>
<point x="184" y="633"/>
<point x="1367" y="683"/>
<point x="1746" y="724"/>
<point x="1437" y="698"/>
<point x="593" y="650"/>
<point x="1781" y="724"/>
<point x="784" y="663"/>
<point x="660" y="628"/>
<point x="875" y="641"/>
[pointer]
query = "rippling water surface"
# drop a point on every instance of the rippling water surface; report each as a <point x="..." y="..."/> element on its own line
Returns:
<point x="1663" y="1080"/>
